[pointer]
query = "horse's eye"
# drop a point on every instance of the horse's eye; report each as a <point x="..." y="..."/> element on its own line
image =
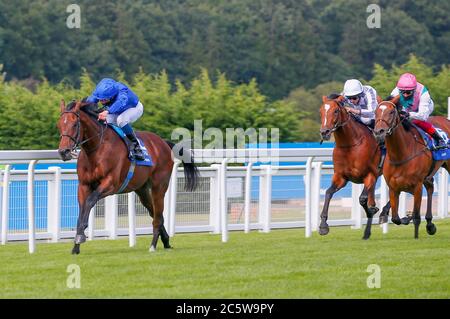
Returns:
<point x="336" y="111"/>
<point x="392" y="112"/>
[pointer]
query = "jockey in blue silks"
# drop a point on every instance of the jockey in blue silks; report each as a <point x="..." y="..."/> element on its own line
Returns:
<point x="123" y="108"/>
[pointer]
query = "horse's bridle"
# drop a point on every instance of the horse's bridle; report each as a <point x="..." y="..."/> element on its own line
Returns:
<point x="76" y="140"/>
<point x="391" y="126"/>
<point x="340" y="123"/>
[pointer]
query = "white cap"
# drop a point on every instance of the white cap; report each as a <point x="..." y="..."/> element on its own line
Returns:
<point x="352" y="87"/>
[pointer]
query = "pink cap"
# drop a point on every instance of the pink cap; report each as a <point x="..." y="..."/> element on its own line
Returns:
<point x="407" y="81"/>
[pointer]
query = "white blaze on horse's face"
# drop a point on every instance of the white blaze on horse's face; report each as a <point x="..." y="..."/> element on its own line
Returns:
<point x="327" y="107"/>
<point x="382" y="108"/>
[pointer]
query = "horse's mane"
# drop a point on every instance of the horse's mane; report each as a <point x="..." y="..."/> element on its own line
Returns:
<point x="90" y="109"/>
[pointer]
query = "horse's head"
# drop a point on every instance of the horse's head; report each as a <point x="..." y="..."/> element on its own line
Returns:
<point x="387" y="118"/>
<point x="332" y="114"/>
<point x="69" y="127"/>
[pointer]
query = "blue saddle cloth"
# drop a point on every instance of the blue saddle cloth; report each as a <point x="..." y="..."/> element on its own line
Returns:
<point x="438" y="155"/>
<point x="148" y="160"/>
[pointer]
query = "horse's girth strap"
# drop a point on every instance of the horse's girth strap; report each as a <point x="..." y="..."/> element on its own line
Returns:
<point x="128" y="178"/>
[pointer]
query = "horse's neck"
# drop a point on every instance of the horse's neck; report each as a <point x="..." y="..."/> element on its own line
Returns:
<point x="400" y="144"/>
<point x="348" y="134"/>
<point x="91" y="133"/>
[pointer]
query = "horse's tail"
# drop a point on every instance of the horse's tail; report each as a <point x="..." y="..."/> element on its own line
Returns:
<point x="191" y="173"/>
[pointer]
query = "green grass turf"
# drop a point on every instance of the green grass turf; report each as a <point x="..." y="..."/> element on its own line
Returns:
<point x="279" y="264"/>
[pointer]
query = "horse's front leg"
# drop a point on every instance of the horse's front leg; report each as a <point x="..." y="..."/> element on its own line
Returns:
<point x="367" y="201"/>
<point x="86" y="200"/>
<point x="393" y="199"/>
<point x="337" y="183"/>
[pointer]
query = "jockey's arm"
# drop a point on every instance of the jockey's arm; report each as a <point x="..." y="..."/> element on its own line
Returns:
<point x="372" y="103"/>
<point x="119" y="105"/>
<point x="425" y="108"/>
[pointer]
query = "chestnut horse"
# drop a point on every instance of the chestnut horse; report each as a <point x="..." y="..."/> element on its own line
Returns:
<point x="103" y="166"/>
<point x="356" y="158"/>
<point x="409" y="163"/>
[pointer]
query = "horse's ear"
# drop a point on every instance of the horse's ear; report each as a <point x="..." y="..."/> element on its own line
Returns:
<point x="396" y="99"/>
<point x="340" y="98"/>
<point x="62" y="105"/>
<point x="379" y="99"/>
<point x="77" y="106"/>
<point x="324" y="99"/>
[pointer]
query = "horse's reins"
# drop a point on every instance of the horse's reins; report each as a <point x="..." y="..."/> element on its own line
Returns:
<point x="75" y="139"/>
<point x="391" y="130"/>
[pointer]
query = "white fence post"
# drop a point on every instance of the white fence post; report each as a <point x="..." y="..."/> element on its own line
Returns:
<point x="214" y="200"/>
<point x="224" y="201"/>
<point x="315" y="195"/>
<point x="356" y="207"/>
<point x="54" y="204"/>
<point x="173" y="185"/>
<point x="31" y="215"/>
<point x="384" y="192"/>
<point x="91" y="224"/>
<point x="132" y="219"/>
<point x="443" y="194"/>
<point x="111" y="215"/>
<point x="308" y="184"/>
<point x="265" y="198"/>
<point x="248" y="197"/>
<point x="5" y="204"/>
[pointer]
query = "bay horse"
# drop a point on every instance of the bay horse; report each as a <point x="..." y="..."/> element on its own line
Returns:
<point x="356" y="158"/>
<point x="103" y="166"/>
<point x="409" y="163"/>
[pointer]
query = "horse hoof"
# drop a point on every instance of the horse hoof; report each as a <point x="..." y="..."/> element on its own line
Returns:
<point x="76" y="250"/>
<point x="366" y="236"/>
<point x="152" y="249"/>
<point x="431" y="229"/>
<point x="324" y="230"/>
<point x="396" y="221"/>
<point x="168" y="247"/>
<point x="383" y="219"/>
<point x="79" y="239"/>
<point x="405" y="221"/>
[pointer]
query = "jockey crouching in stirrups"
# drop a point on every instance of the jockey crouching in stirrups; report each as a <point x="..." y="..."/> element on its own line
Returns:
<point x="416" y="101"/>
<point x="123" y="108"/>
<point x="361" y="100"/>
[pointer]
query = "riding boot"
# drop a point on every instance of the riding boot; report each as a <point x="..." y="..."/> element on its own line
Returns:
<point x="440" y="143"/>
<point x="136" y="151"/>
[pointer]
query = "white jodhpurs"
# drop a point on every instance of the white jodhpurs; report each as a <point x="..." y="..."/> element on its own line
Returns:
<point x="129" y="116"/>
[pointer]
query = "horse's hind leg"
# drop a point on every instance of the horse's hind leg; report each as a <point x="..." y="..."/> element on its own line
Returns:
<point x="385" y="213"/>
<point x="158" y="218"/>
<point x="154" y="203"/>
<point x="337" y="183"/>
<point x="416" y="210"/>
<point x="431" y="228"/>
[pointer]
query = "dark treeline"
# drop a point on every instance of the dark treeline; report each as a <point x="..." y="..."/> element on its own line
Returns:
<point x="283" y="44"/>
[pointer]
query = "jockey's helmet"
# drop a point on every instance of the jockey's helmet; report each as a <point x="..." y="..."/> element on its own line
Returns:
<point x="407" y="81"/>
<point x="106" y="89"/>
<point x="353" y="88"/>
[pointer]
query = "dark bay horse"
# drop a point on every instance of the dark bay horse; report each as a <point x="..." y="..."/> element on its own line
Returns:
<point x="103" y="165"/>
<point x="356" y="158"/>
<point x="409" y="163"/>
